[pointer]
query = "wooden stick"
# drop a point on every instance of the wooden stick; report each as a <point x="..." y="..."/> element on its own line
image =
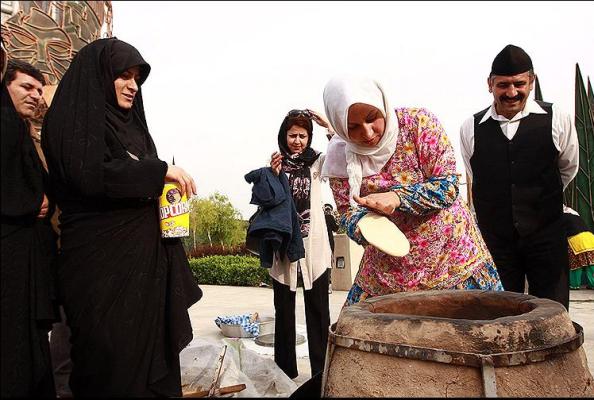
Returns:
<point x="218" y="368"/>
<point x="221" y="391"/>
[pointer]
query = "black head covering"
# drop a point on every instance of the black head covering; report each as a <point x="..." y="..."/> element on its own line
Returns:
<point x="128" y="126"/>
<point x="298" y="167"/>
<point x="307" y="156"/>
<point x="512" y="60"/>
<point x="84" y="118"/>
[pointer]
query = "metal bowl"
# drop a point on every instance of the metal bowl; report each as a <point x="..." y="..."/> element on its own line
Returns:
<point x="236" y="331"/>
<point x="268" y="340"/>
<point x="266" y="325"/>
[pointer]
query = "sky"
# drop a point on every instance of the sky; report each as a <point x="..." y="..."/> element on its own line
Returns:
<point x="224" y="74"/>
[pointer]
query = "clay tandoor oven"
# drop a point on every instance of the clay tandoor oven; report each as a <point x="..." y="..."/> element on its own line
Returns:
<point x="456" y="343"/>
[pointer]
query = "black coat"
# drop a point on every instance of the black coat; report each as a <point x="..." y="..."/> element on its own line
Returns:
<point x="28" y="250"/>
<point x="275" y="226"/>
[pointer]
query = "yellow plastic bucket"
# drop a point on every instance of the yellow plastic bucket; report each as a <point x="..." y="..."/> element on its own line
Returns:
<point x="174" y="212"/>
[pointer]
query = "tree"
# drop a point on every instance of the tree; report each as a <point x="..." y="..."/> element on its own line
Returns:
<point x="579" y="193"/>
<point x="202" y="218"/>
<point x="214" y="220"/>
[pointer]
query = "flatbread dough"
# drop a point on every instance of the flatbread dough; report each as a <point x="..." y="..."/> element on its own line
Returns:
<point x="382" y="233"/>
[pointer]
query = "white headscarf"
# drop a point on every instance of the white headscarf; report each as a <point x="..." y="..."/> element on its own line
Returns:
<point x="344" y="158"/>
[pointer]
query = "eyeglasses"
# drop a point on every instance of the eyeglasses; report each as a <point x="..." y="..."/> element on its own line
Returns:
<point x="299" y="113"/>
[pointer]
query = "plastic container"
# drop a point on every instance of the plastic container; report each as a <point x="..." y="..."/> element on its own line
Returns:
<point x="174" y="212"/>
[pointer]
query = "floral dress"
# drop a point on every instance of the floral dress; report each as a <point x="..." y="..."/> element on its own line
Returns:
<point x="446" y="247"/>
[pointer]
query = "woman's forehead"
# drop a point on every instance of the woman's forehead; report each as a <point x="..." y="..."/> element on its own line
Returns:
<point x="358" y="109"/>
<point x="135" y="69"/>
<point x="296" y="129"/>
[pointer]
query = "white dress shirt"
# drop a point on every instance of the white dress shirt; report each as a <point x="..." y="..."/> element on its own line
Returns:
<point x="563" y="132"/>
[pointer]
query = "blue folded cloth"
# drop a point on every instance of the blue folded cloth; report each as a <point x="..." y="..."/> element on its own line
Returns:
<point x="250" y="327"/>
<point x="275" y="227"/>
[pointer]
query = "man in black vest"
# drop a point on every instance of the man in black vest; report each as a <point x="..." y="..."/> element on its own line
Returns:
<point x="520" y="154"/>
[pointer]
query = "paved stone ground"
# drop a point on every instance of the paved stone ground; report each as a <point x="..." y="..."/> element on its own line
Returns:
<point x="581" y="310"/>
<point x="233" y="300"/>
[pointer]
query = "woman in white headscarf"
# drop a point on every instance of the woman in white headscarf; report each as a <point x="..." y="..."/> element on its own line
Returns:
<point x="401" y="164"/>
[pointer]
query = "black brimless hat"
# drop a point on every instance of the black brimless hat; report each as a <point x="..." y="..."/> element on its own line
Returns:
<point x="512" y="60"/>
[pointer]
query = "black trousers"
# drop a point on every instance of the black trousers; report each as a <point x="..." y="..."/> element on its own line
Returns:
<point x="540" y="258"/>
<point x="317" y="319"/>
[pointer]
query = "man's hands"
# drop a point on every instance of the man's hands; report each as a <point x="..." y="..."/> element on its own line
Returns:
<point x="383" y="203"/>
<point x="178" y="175"/>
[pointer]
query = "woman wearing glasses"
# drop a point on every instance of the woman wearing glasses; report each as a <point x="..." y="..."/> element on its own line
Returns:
<point x="303" y="166"/>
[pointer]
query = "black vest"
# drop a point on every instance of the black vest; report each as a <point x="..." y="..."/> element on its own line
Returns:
<point x="516" y="183"/>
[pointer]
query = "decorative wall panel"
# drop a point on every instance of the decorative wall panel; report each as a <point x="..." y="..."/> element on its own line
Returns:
<point x="48" y="34"/>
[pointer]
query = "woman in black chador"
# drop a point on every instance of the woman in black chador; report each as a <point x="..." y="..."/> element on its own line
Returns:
<point x="124" y="289"/>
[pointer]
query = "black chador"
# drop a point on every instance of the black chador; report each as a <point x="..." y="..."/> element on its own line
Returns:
<point x="28" y="249"/>
<point x="124" y="289"/>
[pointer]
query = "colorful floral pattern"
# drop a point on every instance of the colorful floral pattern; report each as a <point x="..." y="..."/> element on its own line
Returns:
<point x="485" y="279"/>
<point x="446" y="245"/>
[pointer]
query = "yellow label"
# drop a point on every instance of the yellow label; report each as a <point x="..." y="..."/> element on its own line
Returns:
<point x="174" y="212"/>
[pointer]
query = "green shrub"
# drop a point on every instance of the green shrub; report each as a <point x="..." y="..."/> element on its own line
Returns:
<point x="229" y="271"/>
